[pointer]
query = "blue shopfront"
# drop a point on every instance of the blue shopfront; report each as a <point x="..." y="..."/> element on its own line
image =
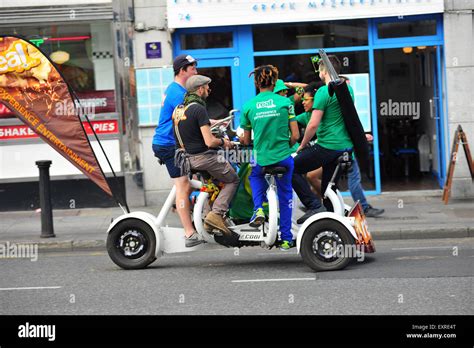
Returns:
<point x="394" y="63"/>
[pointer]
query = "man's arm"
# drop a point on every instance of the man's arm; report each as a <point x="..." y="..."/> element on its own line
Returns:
<point x="295" y="84"/>
<point x="211" y="140"/>
<point x="312" y="127"/>
<point x="295" y="133"/>
<point x="246" y="139"/>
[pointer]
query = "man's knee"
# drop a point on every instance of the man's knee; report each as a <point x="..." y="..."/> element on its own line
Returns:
<point x="182" y="184"/>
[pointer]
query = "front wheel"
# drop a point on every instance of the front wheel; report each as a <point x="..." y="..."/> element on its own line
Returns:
<point x="327" y="246"/>
<point x="131" y="244"/>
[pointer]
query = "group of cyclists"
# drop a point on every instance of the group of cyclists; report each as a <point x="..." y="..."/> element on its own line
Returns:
<point x="183" y="141"/>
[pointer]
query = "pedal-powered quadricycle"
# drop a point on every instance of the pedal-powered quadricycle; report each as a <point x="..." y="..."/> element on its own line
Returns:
<point x="326" y="241"/>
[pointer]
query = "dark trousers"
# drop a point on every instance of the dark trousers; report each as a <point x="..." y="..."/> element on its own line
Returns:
<point x="307" y="160"/>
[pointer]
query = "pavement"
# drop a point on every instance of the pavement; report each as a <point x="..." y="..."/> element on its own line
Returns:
<point x="408" y="215"/>
<point x="404" y="277"/>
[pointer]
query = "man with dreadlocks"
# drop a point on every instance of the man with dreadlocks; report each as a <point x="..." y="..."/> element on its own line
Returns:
<point x="270" y="116"/>
<point x="193" y="135"/>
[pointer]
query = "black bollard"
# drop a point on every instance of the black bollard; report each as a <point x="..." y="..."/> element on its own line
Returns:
<point x="47" y="230"/>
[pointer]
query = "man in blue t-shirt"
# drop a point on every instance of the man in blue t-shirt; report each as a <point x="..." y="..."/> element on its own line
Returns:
<point x="164" y="146"/>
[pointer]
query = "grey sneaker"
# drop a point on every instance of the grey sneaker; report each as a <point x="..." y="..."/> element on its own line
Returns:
<point x="194" y="240"/>
<point x="373" y="212"/>
<point x="310" y="213"/>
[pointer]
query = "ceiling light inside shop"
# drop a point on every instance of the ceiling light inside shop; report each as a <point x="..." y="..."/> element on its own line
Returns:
<point x="407" y="50"/>
<point x="59" y="57"/>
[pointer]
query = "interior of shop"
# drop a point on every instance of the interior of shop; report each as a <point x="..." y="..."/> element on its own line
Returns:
<point x="407" y="97"/>
<point x="219" y="102"/>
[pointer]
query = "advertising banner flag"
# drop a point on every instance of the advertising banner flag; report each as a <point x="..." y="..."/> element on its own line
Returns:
<point x="32" y="87"/>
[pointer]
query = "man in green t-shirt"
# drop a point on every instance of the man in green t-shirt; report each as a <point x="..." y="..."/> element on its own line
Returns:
<point x="270" y="116"/>
<point x="333" y="139"/>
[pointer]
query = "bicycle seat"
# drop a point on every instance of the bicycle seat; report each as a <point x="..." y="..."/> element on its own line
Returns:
<point x="204" y="173"/>
<point x="345" y="158"/>
<point x="274" y="170"/>
<point x="345" y="161"/>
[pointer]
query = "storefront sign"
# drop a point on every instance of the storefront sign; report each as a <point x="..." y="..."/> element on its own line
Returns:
<point x="24" y="132"/>
<point x="32" y="92"/>
<point x="153" y="50"/>
<point x="199" y="13"/>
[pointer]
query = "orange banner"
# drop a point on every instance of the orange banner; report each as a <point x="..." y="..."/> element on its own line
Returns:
<point x="35" y="91"/>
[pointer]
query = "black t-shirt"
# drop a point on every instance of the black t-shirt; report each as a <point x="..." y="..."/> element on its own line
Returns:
<point x="189" y="128"/>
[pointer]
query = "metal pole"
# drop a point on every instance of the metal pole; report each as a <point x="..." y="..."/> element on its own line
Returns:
<point x="327" y="63"/>
<point x="47" y="230"/>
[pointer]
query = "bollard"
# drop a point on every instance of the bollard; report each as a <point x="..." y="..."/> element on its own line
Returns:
<point x="47" y="230"/>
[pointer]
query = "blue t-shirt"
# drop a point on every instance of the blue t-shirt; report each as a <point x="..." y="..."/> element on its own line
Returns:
<point x="174" y="95"/>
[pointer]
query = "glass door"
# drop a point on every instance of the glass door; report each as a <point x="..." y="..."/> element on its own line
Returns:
<point x="223" y="97"/>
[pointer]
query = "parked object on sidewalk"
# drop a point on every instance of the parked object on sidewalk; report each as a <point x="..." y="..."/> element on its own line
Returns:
<point x="47" y="228"/>
<point x="459" y="138"/>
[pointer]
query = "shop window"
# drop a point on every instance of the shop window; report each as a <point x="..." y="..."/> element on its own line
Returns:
<point x="83" y="53"/>
<point x="354" y="66"/>
<point x="298" y="67"/>
<point x="198" y="41"/>
<point x="310" y="35"/>
<point x="406" y="29"/>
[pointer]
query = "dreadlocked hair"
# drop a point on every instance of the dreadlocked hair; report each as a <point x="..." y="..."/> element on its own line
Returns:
<point x="265" y="76"/>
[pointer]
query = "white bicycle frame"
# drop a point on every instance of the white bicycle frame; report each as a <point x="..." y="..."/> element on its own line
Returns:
<point x="267" y="234"/>
<point x="171" y="239"/>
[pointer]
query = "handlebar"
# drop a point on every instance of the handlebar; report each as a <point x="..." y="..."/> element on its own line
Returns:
<point x="227" y="120"/>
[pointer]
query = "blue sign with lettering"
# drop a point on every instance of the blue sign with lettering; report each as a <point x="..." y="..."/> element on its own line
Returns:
<point x="153" y="50"/>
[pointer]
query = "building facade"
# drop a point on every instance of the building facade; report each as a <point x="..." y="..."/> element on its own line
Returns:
<point x="405" y="60"/>
<point x="88" y="42"/>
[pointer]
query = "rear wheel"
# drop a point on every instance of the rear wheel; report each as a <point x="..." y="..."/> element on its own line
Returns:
<point x="131" y="244"/>
<point x="327" y="245"/>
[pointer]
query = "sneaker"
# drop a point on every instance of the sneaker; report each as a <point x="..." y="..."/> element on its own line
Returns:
<point x="258" y="218"/>
<point x="373" y="212"/>
<point x="302" y="207"/>
<point x="194" y="240"/>
<point x="217" y="221"/>
<point x="286" y="245"/>
<point x="310" y="213"/>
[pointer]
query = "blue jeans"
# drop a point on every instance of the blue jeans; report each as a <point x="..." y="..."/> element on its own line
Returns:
<point x="285" y="194"/>
<point x="355" y="186"/>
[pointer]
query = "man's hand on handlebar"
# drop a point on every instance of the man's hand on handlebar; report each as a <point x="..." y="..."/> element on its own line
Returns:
<point x="227" y="144"/>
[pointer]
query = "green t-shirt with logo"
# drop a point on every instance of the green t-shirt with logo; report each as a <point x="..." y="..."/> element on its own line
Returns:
<point x="304" y="118"/>
<point x="269" y="115"/>
<point x="332" y="133"/>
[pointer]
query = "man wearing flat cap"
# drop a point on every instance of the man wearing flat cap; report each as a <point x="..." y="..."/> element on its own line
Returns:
<point x="193" y="135"/>
<point x="164" y="145"/>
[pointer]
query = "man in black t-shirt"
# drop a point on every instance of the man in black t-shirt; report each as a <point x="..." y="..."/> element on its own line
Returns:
<point x="193" y="135"/>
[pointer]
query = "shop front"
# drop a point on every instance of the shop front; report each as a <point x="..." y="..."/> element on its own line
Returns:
<point x="82" y="49"/>
<point x="395" y="65"/>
